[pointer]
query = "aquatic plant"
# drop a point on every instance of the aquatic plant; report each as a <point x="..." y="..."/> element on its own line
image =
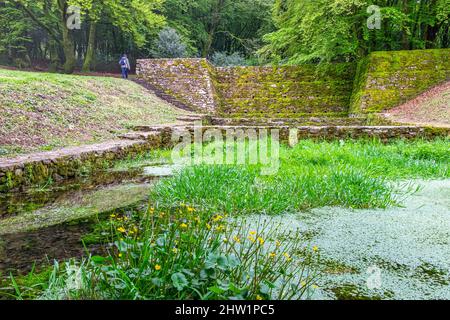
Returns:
<point x="188" y="254"/>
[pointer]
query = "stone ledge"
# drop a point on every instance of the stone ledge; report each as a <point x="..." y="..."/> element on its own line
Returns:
<point x="69" y="162"/>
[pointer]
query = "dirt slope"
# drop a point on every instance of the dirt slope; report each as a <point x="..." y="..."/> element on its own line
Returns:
<point x="430" y="108"/>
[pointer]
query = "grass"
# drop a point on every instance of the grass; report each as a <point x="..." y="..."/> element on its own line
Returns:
<point x="43" y="111"/>
<point x="191" y="245"/>
<point x="354" y="174"/>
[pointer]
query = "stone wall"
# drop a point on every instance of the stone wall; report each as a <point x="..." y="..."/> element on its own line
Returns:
<point x="252" y="91"/>
<point x="187" y="80"/>
<point x="293" y="91"/>
<point x="69" y="162"/>
<point x="383" y="80"/>
<point x="384" y="133"/>
<point x="386" y="79"/>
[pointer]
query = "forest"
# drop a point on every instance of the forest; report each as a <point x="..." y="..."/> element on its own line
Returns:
<point x="90" y="35"/>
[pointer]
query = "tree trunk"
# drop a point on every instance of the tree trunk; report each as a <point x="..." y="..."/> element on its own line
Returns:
<point x="67" y="43"/>
<point x="405" y="40"/>
<point x="216" y="17"/>
<point x="54" y="56"/>
<point x="90" y="53"/>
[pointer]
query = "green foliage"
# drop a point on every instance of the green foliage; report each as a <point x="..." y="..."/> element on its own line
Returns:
<point x="324" y="30"/>
<point x="220" y="25"/>
<point x="186" y="254"/>
<point x="136" y="21"/>
<point x="169" y="45"/>
<point x="14" y="36"/>
<point x="350" y="174"/>
<point x="222" y="59"/>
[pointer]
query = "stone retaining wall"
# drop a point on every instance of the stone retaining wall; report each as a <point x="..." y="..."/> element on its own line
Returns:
<point x="294" y="91"/>
<point x="187" y="80"/>
<point x="387" y="79"/>
<point x="383" y="133"/>
<point x="252" y="91"/>
<point x="69" y="162"/>
<point x="383" y="80"/>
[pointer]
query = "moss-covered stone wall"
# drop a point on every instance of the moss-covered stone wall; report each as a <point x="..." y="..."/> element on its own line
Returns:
<point x="187" y="80"/>
<point x="293" y="91"/>
<point x="382" y="80"/>
<point x="72" y="162"/>
<point x="387" y="79"/>
<point x="252" y="91"/>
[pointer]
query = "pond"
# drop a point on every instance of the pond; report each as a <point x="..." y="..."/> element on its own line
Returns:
<point x="41" y="224"/>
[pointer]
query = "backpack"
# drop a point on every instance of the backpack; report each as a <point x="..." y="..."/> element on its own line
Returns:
<point x="123" y="62"/>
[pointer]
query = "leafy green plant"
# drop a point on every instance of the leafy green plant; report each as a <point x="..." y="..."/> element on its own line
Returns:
<point x="185" y="254"/>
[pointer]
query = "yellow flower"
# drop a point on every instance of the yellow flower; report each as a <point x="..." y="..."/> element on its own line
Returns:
<point x="261" y="241"/>
<point x="252" y="233"/>
<point x="287" y="256"/>
<point x="303" y="284"/>
<point x="157" y="267"/>
<point x="315" y="286"/>
<point x="272" y="255"/>
<point x="174" y="250"/>
<point x="162" y="214"/>
<point x="236" y="239"/>
<point x="120" y="255"/>
<point x="220" y="228"/>
<point x="251" y="239"/>
<point x="121" y="230"/>
<point x="183" y="226"/>
<point x="190" y="209"/>
<point x="278" y="243"/>
<point x="217" y="217"/>
<point x="113" y="216"/>
<point x="315" y="248"/>
<point x="208" y="226"/>
<point x="258" y="297"/>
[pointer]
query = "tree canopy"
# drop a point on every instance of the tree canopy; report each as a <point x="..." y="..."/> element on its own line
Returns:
<point x="329" y="30"/>
<point x="91" y="34"/>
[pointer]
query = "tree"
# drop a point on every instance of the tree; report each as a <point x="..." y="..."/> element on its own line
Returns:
<point x="169" y="45"/>
<point x="137" y="20"/>
<point x="14" y="36"/>
<point x="336" y="30"/>
<point x="220" y="25"/>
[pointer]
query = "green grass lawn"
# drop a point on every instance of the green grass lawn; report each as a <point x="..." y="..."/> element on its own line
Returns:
<point x="41" y="111"/>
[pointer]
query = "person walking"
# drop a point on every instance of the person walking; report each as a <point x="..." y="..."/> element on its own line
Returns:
<point x="125" y="66"/>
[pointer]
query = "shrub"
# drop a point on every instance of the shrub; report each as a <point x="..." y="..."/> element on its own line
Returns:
<point x="169" y="45"/>
<point x="222" y="59"/>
